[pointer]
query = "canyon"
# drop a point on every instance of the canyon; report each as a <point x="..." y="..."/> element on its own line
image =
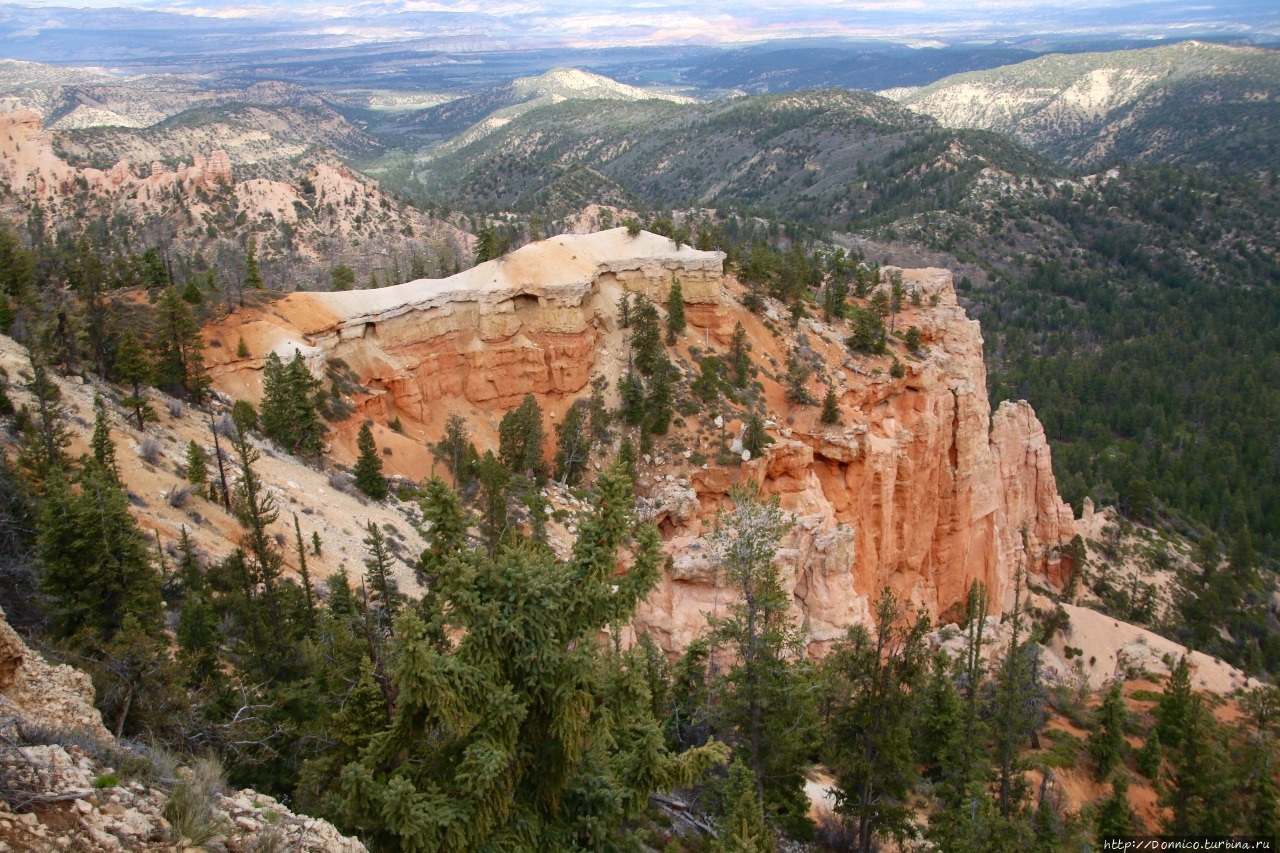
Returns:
<point x="921" y="488"/>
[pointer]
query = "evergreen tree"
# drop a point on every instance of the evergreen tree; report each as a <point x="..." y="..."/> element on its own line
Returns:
<point x="742" y="829"/>
<point x="1198" y="787"/>
<point x="797" y="383"/>
<point x="1115" y="818"/>
<point x="45" y="435"/>
<point x="103" y="447"/>
<point x="520" y="438"/>
<point x="830" y="407"/>
<point x="755" y="439"/>
<point x="598" y="414"/>
<point x="631" y="398"/>
<point x="456" y="450"/>
<point x="768" y="672"/>
<point x="494" y="478"/>
<point x="368" y="468"/>
<point x="871" y="729"/>
<point x="446" y="523"/>
<point x="658" y="411"/>
<point x="1107" y="745"/>
<point x="304" y="573"/>
<point x="96" y="567"/>
<point x="257" y="511"/>
<point x="197" y="635"/>
<point x="1257" y="785"/>
<point x="289" y="411"/>
<point x="740" y="357"/>
<point x="197" y="469"/>
<point x="342" y="602"/>
<point x="913" y="339"/>
<point x="179" y="348"/>
<point x="627" y="460"/>
<point x="1175" y="704"/>
<point x="522" y="735"/>
<point x="675" y="312"/>
<point x="646" y="340"/>
<point x="624" y="310"/>
<point x="573" y="444"/>
<point x="252" y="274"/>
<point x="385" y="593"/>
<point x="707" y="385"/>
<point x="869" y="335"/>
<point x="1019" y="701"/>
<point x="133" y="366"/>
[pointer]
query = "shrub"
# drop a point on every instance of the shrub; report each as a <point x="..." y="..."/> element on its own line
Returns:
<point x="193" y="822"/>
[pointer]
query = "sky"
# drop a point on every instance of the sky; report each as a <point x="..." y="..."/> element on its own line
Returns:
<point x="584" y="23"/>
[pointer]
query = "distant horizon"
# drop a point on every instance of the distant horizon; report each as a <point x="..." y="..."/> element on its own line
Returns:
<point x="137" y="30"/>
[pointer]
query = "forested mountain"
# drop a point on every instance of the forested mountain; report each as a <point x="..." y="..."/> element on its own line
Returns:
<point x="1191" y="104"/>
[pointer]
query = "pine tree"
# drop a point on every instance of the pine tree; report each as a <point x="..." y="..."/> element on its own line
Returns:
<point x="257" y="511"/>
<point x="598" y="414"/>
<point x="96" y="567"/>
<point x="1019" y="701"/>
<point x="368" y="468"/>
<point x="179" y="348"/>
<point x="1107" y="745"/>
<point x="1198" y="788"/>
<point x="631" y="399"/>
<point x="197" y="633"/>
<point x="197" y="469"/>
<point x="252" y="274"/>
<point x="494" y="477"/>
<point x="1114" y="815"/>
<point x="913" y="339"/>
<point x="797" y="383"/>
<point x="385" y="593"/>
<point x="871" y="729"/>
<point x="521" y="735"/>
<point x="104" y="448"/>
<point x="755" y="439"/>
<point x="573" y="444"/>
<point x="675" y="312"/>
<point x="627" y="460"/>
<point x="304" y="573"/>
<point x="646" y="340"/>
<point x="342" y="602"/>
<point x="289" y="411"/>
<point x="658" y="401"/>
<point x="624" y="310"/>
<point x="45" y="435"/>
<point x="1175" y="705"/>
<point x="446" y="522"/>
<point x="742" y="829"/>
<point x="456" y="450"/>
<point x="133" y="366"/>
<point x="707" y="385"/>
<point x="830" y="407"/>
<point x="520" y="438"/>
<point x="768" y="671"/>
<point x="740" y="357"/>
<point x="869" y="333"/>
<point x="1257" y="784"/>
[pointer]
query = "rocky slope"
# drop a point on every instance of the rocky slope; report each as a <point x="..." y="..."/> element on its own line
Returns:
<point x="1191" y="103"/>
<point x="922" y="488"/>
<point x="59" y="789"/>
<point x="319" y="215"/>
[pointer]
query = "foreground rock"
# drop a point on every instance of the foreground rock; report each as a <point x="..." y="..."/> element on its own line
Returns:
<point x="63" y="788"/>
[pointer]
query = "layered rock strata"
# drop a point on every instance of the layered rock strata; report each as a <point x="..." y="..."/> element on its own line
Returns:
<point x="922" y="489"/>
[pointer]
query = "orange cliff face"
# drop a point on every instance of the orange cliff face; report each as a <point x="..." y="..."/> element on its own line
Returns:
<point x="920" y="488"/>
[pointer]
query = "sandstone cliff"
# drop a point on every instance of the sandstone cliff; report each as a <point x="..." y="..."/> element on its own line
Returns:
<point x="921" y="489"/>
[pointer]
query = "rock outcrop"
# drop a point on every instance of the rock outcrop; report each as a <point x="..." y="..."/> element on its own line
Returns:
<point x="920" y="489"/>
<point x="61" y="793"/>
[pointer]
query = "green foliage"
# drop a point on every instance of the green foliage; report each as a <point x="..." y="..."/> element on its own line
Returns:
<point x="342" y="277"/>
<point x="740" y="356"/>
<point x="101" y="443"/>
<point x="797" y="380"/>
<point x="290" y="413"/>
<point x="244" y="416"/>
<point x="1107" y="745"/>
<point x="913" y="339"/>
<point x="178" y="348"/>
<point x="368" y="468"/>
<point x="494" y="478"/>
<point x="446" y="522"/>
<point x="1115" y="818"/>
<point x="573" y="444"/>
<point x="197" y="468"/>
<point x="646" y="340"/>
<point x="675" y="311"/>
<point x="742" y="828"/>
<point x="755" y="439"/>
<point x="520" y="438"/>
<point x="456" y="450"/>
<point x="133" y="366"/>
<point x="869" y="334"/>
<point x="252" y="273"/>
<point x="523" y="735"/>
<point x="830" y="407"/>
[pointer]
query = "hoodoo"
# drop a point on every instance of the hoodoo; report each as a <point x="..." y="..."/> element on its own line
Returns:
<point x="920" y="488"/>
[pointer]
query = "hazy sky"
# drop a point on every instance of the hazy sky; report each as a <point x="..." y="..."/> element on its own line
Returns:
<point x="593" y="22"/>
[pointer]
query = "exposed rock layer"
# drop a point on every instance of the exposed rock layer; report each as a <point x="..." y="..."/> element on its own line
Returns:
<point x="921" y="490"/>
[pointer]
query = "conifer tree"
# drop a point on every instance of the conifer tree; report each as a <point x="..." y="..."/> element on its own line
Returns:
<point x="494" y="477"/>
<point x="646" y="339"/>
<point x="252" y="273"/>
<point x="446" y="523"/>
<point x="521" y="735"/>
<point x="755" y="439"/>
<point x="368" y="468"/>
<point x="303" y="573"/>
<point x="96" y="567"/>
<point x="520" y="438"/>
<point x="740" y="357"/>
<point x="767" y="650"/>
<point x="881" y="679"/>
<point x="1114" y="815"/>
<point x="830" y="407"/>
<point x="456" y="450"/>
<point x="342" y="602"/>
<point x="45" y="435"/>
<point x="624" y="310"/>
<point x="675" y="312"/>
<point x="289" y="411"/>
<point x="197" y="633"/>
<point x="1257" y="784"/>
<point x="1197" y="790"/>
<point x="797" y="383"/>
<point x="598" y="414"/>
<point x="257" y="511"/>
<point x="133" y="366"/>
<point x="179" y="348"/>
<point x="1107" y="745"/>
<point x="743" y="829"/>
<point x="1019" y="701"/>
<point x="631" y="399"/>
<point x="573" y="444"/>
<point x="385" y="593"/>
<point x="197" y="468"/>
<point x="104" y="448"/>
<point x="658" y="401"/>
<point x="627" y="460"/>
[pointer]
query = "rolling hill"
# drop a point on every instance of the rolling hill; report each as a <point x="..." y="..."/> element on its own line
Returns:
<point x="1191" y="103"/>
